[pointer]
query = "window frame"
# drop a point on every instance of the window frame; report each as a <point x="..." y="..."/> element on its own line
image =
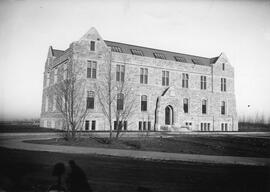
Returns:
<point x="90" y="101"/>
<point x="92" y="46"/>
<point x="204" y="106"/>
<point x="186" y="110"/>
<point x="144" y="103"/>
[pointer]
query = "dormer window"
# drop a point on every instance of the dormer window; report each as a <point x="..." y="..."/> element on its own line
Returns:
<point x="180" y="59"/>
<point x="92" y="46"/>
<point x="195" y="61"/>
<point x="136" y="52"/>
<point x="159" y="56"/>
<point x="116" y="49"/>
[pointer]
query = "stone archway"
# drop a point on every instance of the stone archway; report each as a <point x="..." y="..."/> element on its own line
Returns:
<point x="169" y="120"/>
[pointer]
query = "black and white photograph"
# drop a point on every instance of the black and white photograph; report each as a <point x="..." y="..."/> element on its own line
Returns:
<point x="134" y="95"/>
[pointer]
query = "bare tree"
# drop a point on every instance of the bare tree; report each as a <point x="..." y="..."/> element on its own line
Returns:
<point x="116" y="97"/>
<point x="70" y="102"/>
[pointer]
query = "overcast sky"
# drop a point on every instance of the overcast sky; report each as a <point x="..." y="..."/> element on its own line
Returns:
<point x="241" y="29"/>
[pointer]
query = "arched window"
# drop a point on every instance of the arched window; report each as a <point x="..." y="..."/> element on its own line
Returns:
<point x="223" y="108"/>
<point x="143" y="103"/>
<point x="204" y="106"/>
<point x="185" y="105"/>
<point x="120" y="101"/>
<point x="90" y="100"/>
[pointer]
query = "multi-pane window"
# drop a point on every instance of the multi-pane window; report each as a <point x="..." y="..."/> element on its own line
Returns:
<point x="136" y="52"/>
<point x="92" y="46"/>
<point x="180" y="59"/>
<point x="92" y="69"/>
<point x="204" y="106"/>
<point x="143" y="103"/>
<point x="203" y="82"/>
<point x="224" y="126"/>
<point x="205" y="126"/>
<point x="86" y="126"/>
<point x="143" y="75"/>
<point x="144" y="125"/>
<point x="116" y="49"/>
<point x="120" y="73"/>
<point x="93" y="126"/>
<point x="159" y="55"/>
<point x="223" y="108"/>
<point x="165" y="78"/>
<point x="120" y="101"/>
<point x="90" y="102"/>
<point x="223" y="84"/>
<point x="122" y="125"/>
<point x="185" y="79"/>
<point x="185" y="105"/>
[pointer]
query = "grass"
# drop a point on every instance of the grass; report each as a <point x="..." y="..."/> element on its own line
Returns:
<point x="253" y="127"/>
<point x="23" y="128"/>
<point x="32" y="171"/>
<point x="193" y="144"/>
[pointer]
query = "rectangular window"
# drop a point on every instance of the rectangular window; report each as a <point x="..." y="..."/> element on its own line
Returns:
<point x="93" y="126"/>
<point x="203" y="82"/>
<point x="208" y="126"/>
<point x="92" y="45"/>
<point x="185" y="78"/>
<point x="120" y="101"/>
<point x="144" y="125"/>
<point x="143" y="103"/>
<point x="120" y="73"/>
<point x="223" y="107"/>
<point x="143" y="75"/>
<point x="92" y="69"/>
<point x="204" y="106"/>
<point x="90" y="100"/>
<point x="185" y="105"/>
<point x="165" y="78"/>
<point x="202" y="127"/>
<point x="140" y="125"/>
<point x="159" y="56"/>
<point x="149" y="125"/>
<point x="223" y="85"/>
<point x="86" y="125"/>
<point x="223" y="66"/>
<point x="122" y="125"/>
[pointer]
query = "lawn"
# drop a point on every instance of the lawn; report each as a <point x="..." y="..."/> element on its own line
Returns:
<point x="23" y="128"/>
<point x="31" y="171"/>
<point x="231" y="145"/>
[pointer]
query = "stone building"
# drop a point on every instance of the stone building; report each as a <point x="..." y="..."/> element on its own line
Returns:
<point x="173" y="91"/>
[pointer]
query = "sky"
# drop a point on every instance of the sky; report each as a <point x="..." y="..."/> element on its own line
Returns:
<point x="240" y="29"/>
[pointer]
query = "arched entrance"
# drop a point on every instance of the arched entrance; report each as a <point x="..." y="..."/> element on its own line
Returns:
<point x="169" y="115"/>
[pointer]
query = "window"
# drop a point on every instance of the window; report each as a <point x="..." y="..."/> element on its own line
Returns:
<point x="205" y="126"/>
<point x="116" y="49"/>
<point x="204" y="106"/>
<point x="86" y="127"/>
<point x="223" y="66"/>
<point x="165" y="78"/>
<point x="223" y="84"/>
<point x="185" y="105"/>
<point x="159" y="56"/>
<point x="143" y="103"/>
<point x="120" y="73"/>
<point x="90" y="100"/>
<point x="120" y="101"/>
<point x="140" y="125"/>
<point x="195" y="61"/>
<point x="121" y="125"/>
<point x="224" y="126"/>
<point x="92" y="69"/>
<point x="136" y="52"/>
<point x="143" y="75"/>
<point x="92" y="46"/>
<point x="93" y="126"/>
<point x="185" y="79"/>
<point x="144" y="125"/>
<point x="180" y="59"/>
<point x="223" y="108"/>
<point x="203" y="82"/>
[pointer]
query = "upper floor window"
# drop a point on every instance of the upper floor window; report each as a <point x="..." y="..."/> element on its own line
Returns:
<point x="204" y="106"/>
<point x="143" y="103"/>
<point x="195" y="61"/>
<point x="92" y="69"/>
<point x="223" y="84"/>
<point x="143" y="75"/>
<point x="116" y="49"/>
<point x="120" y="73"/>
<point x="92" y="46"/>
<point x="223" y="108"/>
<point x="180" y="59"/>
<point x="120" y="101"/>
<point x="223" y="66"/>
<point x="90" y="100"/>
<point x="185" y="78"/>
<point x="159" y="56"/>
<point x="136" y="52"/>
<point x="165" y="78"/>
<point x="203" y="82"/>
<point x="185" y="105"/>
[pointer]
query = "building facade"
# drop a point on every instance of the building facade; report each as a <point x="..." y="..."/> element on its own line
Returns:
<point x="173" y="91"/>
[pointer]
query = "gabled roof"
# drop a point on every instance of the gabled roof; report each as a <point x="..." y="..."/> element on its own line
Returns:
<point x="150" y="52"/>
<point x="58" y="53"/>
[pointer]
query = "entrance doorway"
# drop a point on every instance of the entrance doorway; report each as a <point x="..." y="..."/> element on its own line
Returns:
<point x="169" y="115"/>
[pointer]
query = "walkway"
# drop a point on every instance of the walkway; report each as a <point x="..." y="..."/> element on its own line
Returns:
<point x="15" y="141"/>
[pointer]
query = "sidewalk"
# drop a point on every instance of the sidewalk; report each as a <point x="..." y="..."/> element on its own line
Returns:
<point x="17" y="143"/>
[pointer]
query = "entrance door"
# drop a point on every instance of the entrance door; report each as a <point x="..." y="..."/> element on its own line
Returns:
<point x="168" y="115"/>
